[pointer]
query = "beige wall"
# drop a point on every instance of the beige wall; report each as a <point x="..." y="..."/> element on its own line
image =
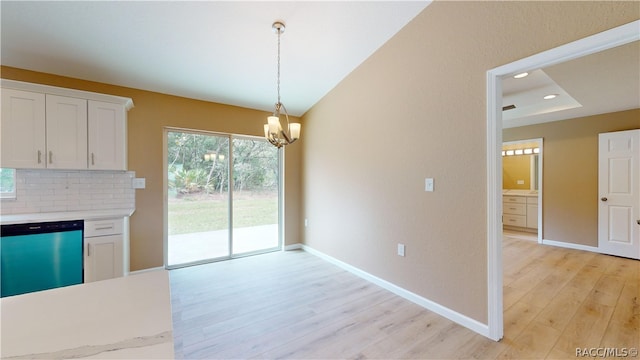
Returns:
<point x="516" y="168"/>
<point x="153" y="112"/>
<point x="415" y="109"/>
<point x="570" y="172"/>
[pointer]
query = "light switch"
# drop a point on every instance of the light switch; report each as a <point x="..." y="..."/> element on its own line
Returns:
<point x="401" y="249"/>
<point x="428" y="184"/>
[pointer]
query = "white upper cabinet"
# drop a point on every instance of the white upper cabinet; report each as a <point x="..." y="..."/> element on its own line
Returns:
<point x="66" y="121"/>
<point x="56" y="128"/>
<point x="107" y="136"/>
<point x="22" y="130"/>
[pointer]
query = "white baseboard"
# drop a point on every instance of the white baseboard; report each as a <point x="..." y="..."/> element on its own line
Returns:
<point x="146" y="270"/>
<point x="570" y="245"/>
<point x="480" y="328"/>
<point x="297" y="246"/>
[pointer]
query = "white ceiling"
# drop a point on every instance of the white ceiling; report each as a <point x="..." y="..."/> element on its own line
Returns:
<point x="600" y="83"/>
<point x="225" y="52"/>
<point x="220" y="51"/>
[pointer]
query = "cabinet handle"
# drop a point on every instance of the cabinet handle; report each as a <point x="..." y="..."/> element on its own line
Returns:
<point x="604" y="199"/>
<point x="105" y="228"/>
<point x="88" y="250"/>
<point x="638" y="221"/>
<point x="50" y="157"/>
<point x="39" y="157"/>
<point x="93" y="161"/>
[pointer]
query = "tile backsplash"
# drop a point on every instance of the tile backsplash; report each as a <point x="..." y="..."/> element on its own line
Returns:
<point x="66" y="190"/>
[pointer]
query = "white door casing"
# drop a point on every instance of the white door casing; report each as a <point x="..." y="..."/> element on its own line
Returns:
<point x="619" y="193"/>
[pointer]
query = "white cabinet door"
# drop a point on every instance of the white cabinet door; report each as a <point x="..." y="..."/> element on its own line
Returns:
<point x="107" y="136"/>
<point x="22" y="129"/>
<point x="103" y="258"/>
<point x="66" y="132"/>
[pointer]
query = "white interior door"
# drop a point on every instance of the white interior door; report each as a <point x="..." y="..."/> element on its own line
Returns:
<point x="619" y="191"/>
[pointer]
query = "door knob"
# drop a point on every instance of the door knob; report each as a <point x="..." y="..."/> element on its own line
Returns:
<point x="604" y="198"/>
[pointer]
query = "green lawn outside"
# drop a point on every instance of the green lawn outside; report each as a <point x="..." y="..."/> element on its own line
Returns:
<point x="198" y="213"/>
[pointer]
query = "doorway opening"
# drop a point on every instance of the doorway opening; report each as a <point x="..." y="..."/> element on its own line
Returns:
<point x="222" y="197"/>
<point x="605" y="40"/>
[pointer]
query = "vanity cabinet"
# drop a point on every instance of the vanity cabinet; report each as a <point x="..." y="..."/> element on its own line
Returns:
<point x="532" y="212"/>
<point x="520" y="212"/>
<point x="514" y="209"/>
<point x="55" y="128"/>
<point x="104" y="244"/>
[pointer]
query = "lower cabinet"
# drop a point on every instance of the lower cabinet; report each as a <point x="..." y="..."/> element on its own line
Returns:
<point x="520" y="212"/>
<point x="532" y="212"/>
<point x="104" y="249"/>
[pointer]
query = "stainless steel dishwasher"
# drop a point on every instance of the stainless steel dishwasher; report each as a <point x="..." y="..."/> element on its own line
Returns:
<point x="40" y="256"/>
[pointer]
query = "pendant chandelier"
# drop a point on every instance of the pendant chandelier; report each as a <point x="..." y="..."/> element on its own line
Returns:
<point x="273" y="130"/>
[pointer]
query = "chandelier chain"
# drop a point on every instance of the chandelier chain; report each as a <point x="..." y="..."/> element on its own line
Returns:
<point x="279" y="32"/>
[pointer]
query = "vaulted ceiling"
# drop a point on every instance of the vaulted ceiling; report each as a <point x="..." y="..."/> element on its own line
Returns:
<point x="220" y="51"/>
<point x="225" y="52"/>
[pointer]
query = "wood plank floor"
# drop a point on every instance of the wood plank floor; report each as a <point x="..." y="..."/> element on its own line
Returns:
<point x="293" y="305"/>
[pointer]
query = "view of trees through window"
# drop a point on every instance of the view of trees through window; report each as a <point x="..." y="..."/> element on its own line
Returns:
<point x="198" y="182"/>
<point x="7" y="183"/>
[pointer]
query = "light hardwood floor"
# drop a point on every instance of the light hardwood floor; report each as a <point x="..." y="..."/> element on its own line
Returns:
<point x="294" y="305"/>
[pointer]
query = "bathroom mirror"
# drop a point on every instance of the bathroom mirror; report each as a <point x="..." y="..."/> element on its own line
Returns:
<point x="521" y="168"/>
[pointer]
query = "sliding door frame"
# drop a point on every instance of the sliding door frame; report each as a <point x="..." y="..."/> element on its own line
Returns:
<point x="165" y="189"/>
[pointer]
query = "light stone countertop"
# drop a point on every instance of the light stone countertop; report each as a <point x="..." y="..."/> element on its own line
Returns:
<point x="63" y="216"/>
<point x="124" y="318"/>
<point x="516" y="192"/>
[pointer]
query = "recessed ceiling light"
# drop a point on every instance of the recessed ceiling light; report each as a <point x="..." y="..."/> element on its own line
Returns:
<point x="521" y="75"/>
<point x="550" y="96"/>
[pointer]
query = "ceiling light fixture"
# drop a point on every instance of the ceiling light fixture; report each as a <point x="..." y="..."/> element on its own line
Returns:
<point x="273" y="130"/>
<point x="521" y="75"/>
<point x="550" y="96"/>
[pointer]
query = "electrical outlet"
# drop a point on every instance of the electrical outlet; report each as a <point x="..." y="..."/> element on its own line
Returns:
<point x="401" y="249"/>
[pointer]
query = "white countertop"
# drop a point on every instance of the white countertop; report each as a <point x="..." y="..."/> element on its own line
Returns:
<point x="62" y="216"/>
<point x="516" y="192"/>
<point x="125" y="318"/>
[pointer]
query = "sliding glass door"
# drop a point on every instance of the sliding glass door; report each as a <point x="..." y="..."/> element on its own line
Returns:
<point x="222" y="197"/>
<point x="255" y="196"/>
